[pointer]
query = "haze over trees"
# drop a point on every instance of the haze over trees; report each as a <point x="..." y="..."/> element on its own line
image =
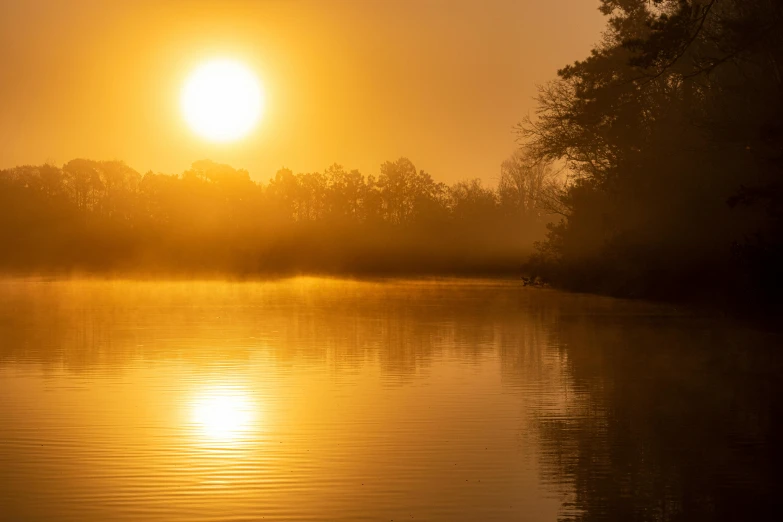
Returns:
<point x="671" y="132"/>
<point x="104" y="216"/>
<point x="672" y="129"/>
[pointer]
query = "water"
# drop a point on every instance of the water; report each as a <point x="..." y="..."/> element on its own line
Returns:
<point x="312" y="399"/>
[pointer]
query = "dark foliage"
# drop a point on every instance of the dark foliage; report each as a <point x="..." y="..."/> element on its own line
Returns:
<point x="673" y="131"/>
<point x="102" y="216"/>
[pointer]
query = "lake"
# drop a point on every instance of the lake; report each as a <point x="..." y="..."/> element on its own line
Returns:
<point x="317" y="399"/>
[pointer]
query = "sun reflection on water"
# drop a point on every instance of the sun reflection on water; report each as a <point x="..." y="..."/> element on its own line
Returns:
<point x="224" y="413"/>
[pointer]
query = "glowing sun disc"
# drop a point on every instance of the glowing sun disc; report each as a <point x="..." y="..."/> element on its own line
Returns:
<point x="222" y="100"/>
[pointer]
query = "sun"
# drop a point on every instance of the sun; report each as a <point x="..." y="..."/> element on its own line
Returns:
<point x="222" y="100"/>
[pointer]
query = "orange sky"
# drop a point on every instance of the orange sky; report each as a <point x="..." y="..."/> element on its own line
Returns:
<point x="355" y="82"/>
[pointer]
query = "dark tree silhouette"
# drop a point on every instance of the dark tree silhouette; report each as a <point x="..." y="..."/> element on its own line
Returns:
<point x="103" y="215"/>
<point x="671" y="131"/>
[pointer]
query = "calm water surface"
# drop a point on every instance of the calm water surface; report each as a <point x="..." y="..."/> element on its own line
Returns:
<point x="312" y="399"/>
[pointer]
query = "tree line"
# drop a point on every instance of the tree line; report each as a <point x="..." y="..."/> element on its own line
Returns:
<point x="672" y="132"/>
<point x="104" y="216"/>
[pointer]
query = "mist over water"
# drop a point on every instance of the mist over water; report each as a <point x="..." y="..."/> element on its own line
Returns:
<point x="268" y="335"/>
<point x="316" y="399"/>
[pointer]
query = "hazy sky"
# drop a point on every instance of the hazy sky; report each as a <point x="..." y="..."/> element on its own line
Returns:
<point x="354" y="82"/>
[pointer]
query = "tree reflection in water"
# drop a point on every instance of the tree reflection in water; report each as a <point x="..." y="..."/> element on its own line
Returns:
<point x="630" y="411"/>
<point x="663" y="420"/>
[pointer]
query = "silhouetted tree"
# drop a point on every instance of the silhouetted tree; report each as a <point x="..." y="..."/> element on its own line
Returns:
<point x="671" y="130"/>
<point x="97" y="215"/>
<point x="525" y="186"/>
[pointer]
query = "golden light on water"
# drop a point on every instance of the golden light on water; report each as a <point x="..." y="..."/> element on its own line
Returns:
<point x="222" y="100"/>
<point x="224" y="413"/>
